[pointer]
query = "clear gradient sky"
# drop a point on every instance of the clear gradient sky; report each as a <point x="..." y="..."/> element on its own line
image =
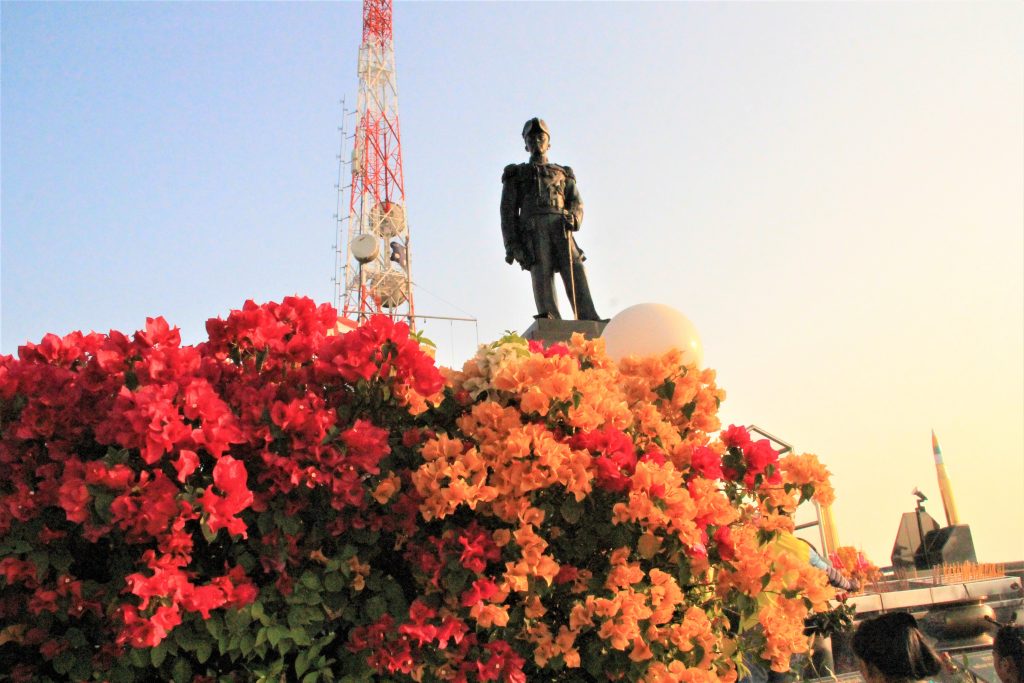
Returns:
<point x="833" y="193"/>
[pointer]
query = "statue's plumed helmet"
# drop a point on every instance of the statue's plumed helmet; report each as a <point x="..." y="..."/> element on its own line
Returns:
<point x="535" y="124"/>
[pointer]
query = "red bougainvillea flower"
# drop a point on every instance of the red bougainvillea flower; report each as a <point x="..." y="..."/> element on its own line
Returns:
<point x="478" y="549"/>
<point x="759" y="455"/>
<point x="706" y="462"/>
<point x="615" y="456"/>
<point x="219" y="509"/>
<point x="736" y="436"/>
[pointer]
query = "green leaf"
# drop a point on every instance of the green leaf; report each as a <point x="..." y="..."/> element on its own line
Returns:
<point x="181" y="671"/>
<point x="275" y="633"/>
<point x="203" y="652"/>
<point x="209" y="535"/>
<point x="261" y="357"/>
<point x="246" y="643"/>
<point x="593" y="660"/>
<point x="41" y="559"/>
<point x="689" y="408"/>
<point x="313" y="614"/>
<point x="158" y="654"/>
<point x="311" y="580"/>
<point x="237" y="620"/>
<point x="287" y="524"/>
<point x="187" y="638"/>
<point x="571" y="510"/>
<point x="333" y="582"/>
<point x="666" y="390"/>
<point x="376" y="607"/>
<point x="63" y="662"/>
<point x="15" y="547"/>
<point x="302" y="662"/>
<point x="139" y="658"/>
<point x="101" y="503"/>
<point x="455" y="582"/>
<point x="81" y="670"/>
<point x="683" y="573"/>
<point x="394" y="595"/>
<point x="296" y="618"/>
<point x="75" y="638"/>
<point x="265" y="523"/>
<point x="122" y="675"/>
<point x="311" y="677"/>
<point x="256" y="610"/>
<point x="246" y="561"/>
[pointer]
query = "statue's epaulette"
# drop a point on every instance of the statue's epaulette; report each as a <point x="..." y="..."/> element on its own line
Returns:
<point x="511" y="172"/>
<point x="564" y="169"/>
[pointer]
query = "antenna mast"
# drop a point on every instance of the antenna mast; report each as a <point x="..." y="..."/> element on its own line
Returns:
<point x="376" y="277"/>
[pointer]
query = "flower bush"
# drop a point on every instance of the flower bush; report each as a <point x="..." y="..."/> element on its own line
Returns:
<point x="285" y="503"/>
<point x="855" y="565"/>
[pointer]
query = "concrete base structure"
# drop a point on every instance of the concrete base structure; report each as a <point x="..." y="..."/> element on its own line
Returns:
<point x="550" y="332"/>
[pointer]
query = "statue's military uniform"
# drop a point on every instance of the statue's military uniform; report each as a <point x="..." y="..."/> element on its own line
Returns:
<point x="540" y="209"/>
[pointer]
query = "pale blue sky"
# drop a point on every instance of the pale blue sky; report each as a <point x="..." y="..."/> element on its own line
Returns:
<point x="833" y="193"/>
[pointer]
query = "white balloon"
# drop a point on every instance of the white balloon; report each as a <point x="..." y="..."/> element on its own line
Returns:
<point x="652" y="330"/>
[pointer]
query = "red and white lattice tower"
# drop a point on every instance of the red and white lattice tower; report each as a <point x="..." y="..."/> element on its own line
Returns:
<point x="376" y="275"/>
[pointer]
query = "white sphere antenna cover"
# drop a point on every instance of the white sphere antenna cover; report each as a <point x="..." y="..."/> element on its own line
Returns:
<point x="365" y="247"/>
<point x="652" y="330"/>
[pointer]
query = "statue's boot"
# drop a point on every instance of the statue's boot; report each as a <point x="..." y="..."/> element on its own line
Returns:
<point x="544" y="293"/>
<point x="578" y="282"/>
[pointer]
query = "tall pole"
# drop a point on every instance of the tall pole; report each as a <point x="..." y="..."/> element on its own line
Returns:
<point x="829" y="536"/>
<point x="377" y="281"/>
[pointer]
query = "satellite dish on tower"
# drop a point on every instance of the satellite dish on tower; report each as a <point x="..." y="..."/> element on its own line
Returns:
<point x="390" y="288"/>
<point x="387" y="219"/>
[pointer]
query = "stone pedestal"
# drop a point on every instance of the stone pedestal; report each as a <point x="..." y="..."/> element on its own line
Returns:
<point x="550" y="332"/>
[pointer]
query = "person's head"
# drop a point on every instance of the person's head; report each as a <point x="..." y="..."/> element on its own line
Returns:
<point x="1008" y="654"/>
<point x="536" y="136"/>
<point x="891" y="648"/>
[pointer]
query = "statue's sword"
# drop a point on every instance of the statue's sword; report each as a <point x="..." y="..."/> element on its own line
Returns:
<point x="572" y="272"/>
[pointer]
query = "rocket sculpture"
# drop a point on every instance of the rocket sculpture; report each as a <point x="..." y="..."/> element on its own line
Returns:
<point x="945" y="488"/>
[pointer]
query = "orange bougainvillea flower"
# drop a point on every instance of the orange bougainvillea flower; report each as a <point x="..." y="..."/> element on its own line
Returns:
<point x="782" y="620"/>
<point x="854" y="565"/>
<point x="387" y="488"/>
<point x="806" y="470"/>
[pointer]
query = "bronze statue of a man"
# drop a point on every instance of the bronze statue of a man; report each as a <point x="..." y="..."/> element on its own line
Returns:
<point x="540" y="209"/>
